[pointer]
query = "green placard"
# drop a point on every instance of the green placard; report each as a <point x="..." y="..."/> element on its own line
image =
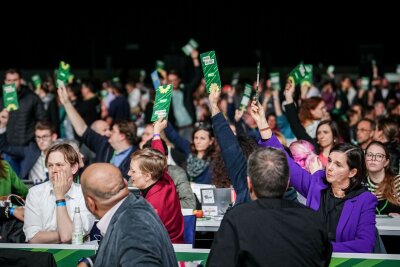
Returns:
<point x="190" y="46"/>
<point x="298" y="74"/>
<point x="162" y="102"/>
<point x="210" y="71"/>
<point x="308" y="78"/>
<point x="248" y="90"/>
<point x="160" y="65"/>
<point x="275" y="80"/>
<point x="37" y="82"/>
<point x="10" y="97"/>
<point x="63" y="74"/>
<point x="364" y="83"/>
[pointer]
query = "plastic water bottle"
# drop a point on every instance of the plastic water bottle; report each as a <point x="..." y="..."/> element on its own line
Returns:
<point x="77" y="233"/>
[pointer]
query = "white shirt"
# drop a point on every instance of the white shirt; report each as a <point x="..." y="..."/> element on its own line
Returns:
<point x="38" y="171"/>
<point x="40" y="209"/>
<point x="106" y="219"/>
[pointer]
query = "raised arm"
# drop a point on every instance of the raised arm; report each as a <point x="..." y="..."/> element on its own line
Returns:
<point x="159" y="126"/>
<point x="299" y="178"/>
<point x="180" y="143"/>
<point x="77" y="121"/>
<point x="234" y="159"/>
<point x="293" y="118"/>
<point x="197" y="73"/>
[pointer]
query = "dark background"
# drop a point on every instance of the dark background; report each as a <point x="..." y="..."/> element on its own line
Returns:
<point x="119" y="37"/>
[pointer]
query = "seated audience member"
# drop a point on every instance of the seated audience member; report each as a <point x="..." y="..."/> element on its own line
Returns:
<point x="10" y="182"/>
<point x="179" y="176"/>
<point x="115" y="149"/>
<point x="148" y="173"/>
<point x="50" y="206"/>
<point x="256" y="233"/>
<point x="32" y="155"/>
<point x="382" y="182"/>
<point x="199" y="154"/>
<point x="133" y="234"/>
<point x="387" y="132"/>
<point x="365" y="132"/>
<point x="303" y="153"/>
<point x="337" y="194"/>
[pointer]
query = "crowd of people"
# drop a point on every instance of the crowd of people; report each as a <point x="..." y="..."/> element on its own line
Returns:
<point x="331" y="145"/>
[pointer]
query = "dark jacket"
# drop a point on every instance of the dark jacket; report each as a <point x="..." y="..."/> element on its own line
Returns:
<point x="119" y="109"/>
<point x="235" y="161"/>
<point x="104" y="151"/>
<point x="21" y="124"/>
<point x="188" y="90"/>
<point x="136" y="237"/>
<point x="271" y="232"/>
<point x="29" y="154"/>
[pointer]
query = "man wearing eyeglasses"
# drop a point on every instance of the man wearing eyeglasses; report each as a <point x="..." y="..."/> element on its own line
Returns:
<point x="32" y="155"/>
<point x="365" y="132"/>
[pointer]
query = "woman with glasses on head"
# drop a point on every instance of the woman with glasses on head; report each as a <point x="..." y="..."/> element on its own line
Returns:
<point x="199" y="154"/>
<point x="382" y="182"/>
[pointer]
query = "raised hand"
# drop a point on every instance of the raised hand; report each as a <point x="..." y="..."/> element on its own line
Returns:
<point x="160" y="125"/>
<point x="238" y="114"/>
<point x="195" y="54"/>
<point x="258" y="114"/>
<point x="214" y="98"/>
<point x="63" y="95"/>
<point x="289" y="91"/>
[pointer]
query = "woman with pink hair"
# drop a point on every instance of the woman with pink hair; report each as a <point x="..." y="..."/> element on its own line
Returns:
<point x="303" y="153"/>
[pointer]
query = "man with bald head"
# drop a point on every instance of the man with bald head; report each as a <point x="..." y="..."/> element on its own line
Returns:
<point x="101" y="127"/>
<point x="133" y="234"/>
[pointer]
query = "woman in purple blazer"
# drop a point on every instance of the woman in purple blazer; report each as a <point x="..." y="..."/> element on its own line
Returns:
<point x="337" y="193"/>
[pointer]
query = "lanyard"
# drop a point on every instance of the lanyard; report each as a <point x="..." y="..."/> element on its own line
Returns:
<point x="371" y="188"/>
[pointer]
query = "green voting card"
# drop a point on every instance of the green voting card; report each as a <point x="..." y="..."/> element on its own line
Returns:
<point x="210" y="71"/>
<point x="37" y="82"/>
<point x="10" y="97"/>
<point x="63" y="74"/>
<point x="162" y="102"/>
<point x="298" y="74"/>
<point x="248" y="90"/>
<point x="275" y="81"/>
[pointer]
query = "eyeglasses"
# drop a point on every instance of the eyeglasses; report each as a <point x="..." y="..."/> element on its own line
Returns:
<point x="378" y="157"/>
<point x="43" y="138"/>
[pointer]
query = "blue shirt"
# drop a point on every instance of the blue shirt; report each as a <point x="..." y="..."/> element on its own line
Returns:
<point x="117" y="159"/>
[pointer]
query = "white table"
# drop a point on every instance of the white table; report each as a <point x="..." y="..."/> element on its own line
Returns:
<point x="388" y="225"/>
<point x="211" y="225"/>
<point x="385" y="225"/>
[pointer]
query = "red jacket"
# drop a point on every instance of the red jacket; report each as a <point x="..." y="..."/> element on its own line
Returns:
<point x="164" y="199"/>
